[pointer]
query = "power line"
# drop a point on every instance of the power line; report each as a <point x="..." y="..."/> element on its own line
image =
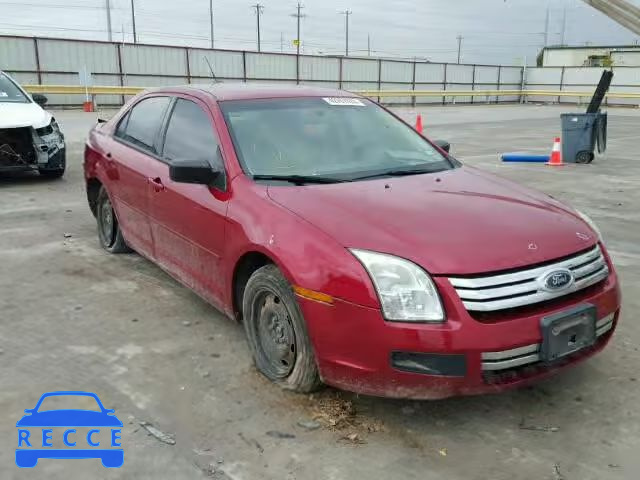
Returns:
<point x="211" y="21"/>
<point x="346" y="14"/>
<point x="107" y="5"/>
<point x="51" y="5"/>
<point x="326" y="47"/>
<point x="259" y="9"/>
<point x="164" y="34"/>
<point x="298" y="16"/>
<point x="133" y="21"/>
<point x="564" y="27"/>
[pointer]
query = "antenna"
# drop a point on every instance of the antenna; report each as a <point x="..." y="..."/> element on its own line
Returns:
<point x="213" y="75"/>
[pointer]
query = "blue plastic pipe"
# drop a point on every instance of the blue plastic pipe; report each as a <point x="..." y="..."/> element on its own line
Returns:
<point x="523" y="157"/>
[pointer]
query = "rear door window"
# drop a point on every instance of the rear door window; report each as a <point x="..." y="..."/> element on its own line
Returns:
<point x="142" y="123"/>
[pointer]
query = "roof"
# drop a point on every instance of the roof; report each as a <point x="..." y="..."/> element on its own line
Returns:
<point x="246" y="91"/>
<point x="594" y="47"/>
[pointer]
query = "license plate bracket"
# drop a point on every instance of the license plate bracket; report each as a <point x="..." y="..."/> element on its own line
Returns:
<point x="567" y="332"/>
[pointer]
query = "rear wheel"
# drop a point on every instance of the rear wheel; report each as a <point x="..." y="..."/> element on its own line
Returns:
<point x="109" y="231"/>
<point x="277" y="332"/>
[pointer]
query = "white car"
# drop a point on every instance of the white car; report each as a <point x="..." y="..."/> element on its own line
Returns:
<point x="30" y="138"/>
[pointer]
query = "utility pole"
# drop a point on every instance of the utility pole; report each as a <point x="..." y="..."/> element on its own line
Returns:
<point x="211" y="20"/>
<point x="564" y="26"/>
<point x="546" y="29"/>
<point x="259" y="9"/>
<point x="133" y="21"/>
<point x="346" y="14"/>
<point x="107" y="6"/>
<point x="459" y="37"/>
<point x="368" y="45"/>
<point x="298" y="15"/>
<point x="281" y="42"/>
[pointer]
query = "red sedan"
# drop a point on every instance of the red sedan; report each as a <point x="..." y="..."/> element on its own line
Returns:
<point x="355" y="251"/>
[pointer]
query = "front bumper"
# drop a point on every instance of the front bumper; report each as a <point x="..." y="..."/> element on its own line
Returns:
<point x="41" y="152"/>
<point x="355" y="347"/>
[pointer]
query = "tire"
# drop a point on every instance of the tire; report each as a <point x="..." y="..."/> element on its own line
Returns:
<point x="277" y="332"/>
<point x="109" y="232"/>
<point x="584" y="157"/>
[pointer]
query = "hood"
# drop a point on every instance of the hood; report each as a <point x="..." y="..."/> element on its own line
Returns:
<point x="69" y="418"/>
<point x="462" y="221"/>
<point x="15" y="115"/>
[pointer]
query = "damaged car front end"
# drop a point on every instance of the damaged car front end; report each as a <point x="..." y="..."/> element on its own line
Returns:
<point x="30" y="138"/>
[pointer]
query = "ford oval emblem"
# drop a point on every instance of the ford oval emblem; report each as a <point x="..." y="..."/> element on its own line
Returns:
<point x="557" y="280"/>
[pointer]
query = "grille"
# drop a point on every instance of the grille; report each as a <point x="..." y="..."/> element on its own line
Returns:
<point x="526" y="287"/>
<point x="529" y="354"/>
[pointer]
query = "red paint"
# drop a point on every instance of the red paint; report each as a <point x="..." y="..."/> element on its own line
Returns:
<point x="462" y="221"/>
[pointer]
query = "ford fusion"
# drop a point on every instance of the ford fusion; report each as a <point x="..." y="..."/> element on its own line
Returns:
<point x="30" y="138"/>
<point x="354" y="251"/>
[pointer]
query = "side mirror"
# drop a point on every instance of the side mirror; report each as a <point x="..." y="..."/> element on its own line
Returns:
<point x="444" y="145"/>
<point x="193" y="171"/>
<point x="40" y="99"/>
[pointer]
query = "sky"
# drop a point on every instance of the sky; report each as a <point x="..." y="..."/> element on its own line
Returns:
<point x="494" y="31"/>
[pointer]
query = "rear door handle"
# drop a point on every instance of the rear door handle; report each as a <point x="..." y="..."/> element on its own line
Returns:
<point x="156" y="183"/>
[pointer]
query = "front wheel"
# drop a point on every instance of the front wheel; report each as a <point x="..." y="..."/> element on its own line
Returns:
<point x="109" y="231"/>
<point x="277" y="332"/>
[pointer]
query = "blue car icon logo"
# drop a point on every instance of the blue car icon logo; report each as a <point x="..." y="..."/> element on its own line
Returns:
<point x="41" y="431"/>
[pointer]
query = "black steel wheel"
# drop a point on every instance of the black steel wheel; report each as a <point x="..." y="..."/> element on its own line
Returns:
<point x="277" y="333"/>
<point x="109" y="231"/>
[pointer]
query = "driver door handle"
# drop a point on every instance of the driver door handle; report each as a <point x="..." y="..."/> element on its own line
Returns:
<point x="156" y="183"/>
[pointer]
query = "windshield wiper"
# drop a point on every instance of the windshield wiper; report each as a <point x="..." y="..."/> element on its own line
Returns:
<point x="400" y="173"/>
<point x="299" y="179"/>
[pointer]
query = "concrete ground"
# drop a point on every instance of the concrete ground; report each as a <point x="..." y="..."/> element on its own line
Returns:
<point x="74" y="317"/>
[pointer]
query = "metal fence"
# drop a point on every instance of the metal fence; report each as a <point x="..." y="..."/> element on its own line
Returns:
<point x="582" y="79"/>
<point x="48" y="61"/>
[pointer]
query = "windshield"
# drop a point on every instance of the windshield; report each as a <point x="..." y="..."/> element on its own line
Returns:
<point x="69" y="402"/>
<point x="9" y="91"/>
<point x="333" y="138"/>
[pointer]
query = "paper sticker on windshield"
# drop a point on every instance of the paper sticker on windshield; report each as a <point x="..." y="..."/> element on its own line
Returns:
<point x="3" y="94"/>
<point x="344" y="101"/>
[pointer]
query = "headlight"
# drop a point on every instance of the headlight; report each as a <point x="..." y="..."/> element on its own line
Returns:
<point x="407" y="293"/>
<point x="591" y="223"/>
<point x="49" y="129"/>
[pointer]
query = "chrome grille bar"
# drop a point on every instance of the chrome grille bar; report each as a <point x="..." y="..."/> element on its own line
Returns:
<point x="516" y="357"/>
<point x="524" y="287"/>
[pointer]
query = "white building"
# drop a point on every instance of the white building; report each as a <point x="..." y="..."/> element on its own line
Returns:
<point x="592" y="56"/>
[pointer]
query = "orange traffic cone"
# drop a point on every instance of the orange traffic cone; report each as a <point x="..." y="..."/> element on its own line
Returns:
<point x="419" y="124"/>
<point x="556" y="154"/>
